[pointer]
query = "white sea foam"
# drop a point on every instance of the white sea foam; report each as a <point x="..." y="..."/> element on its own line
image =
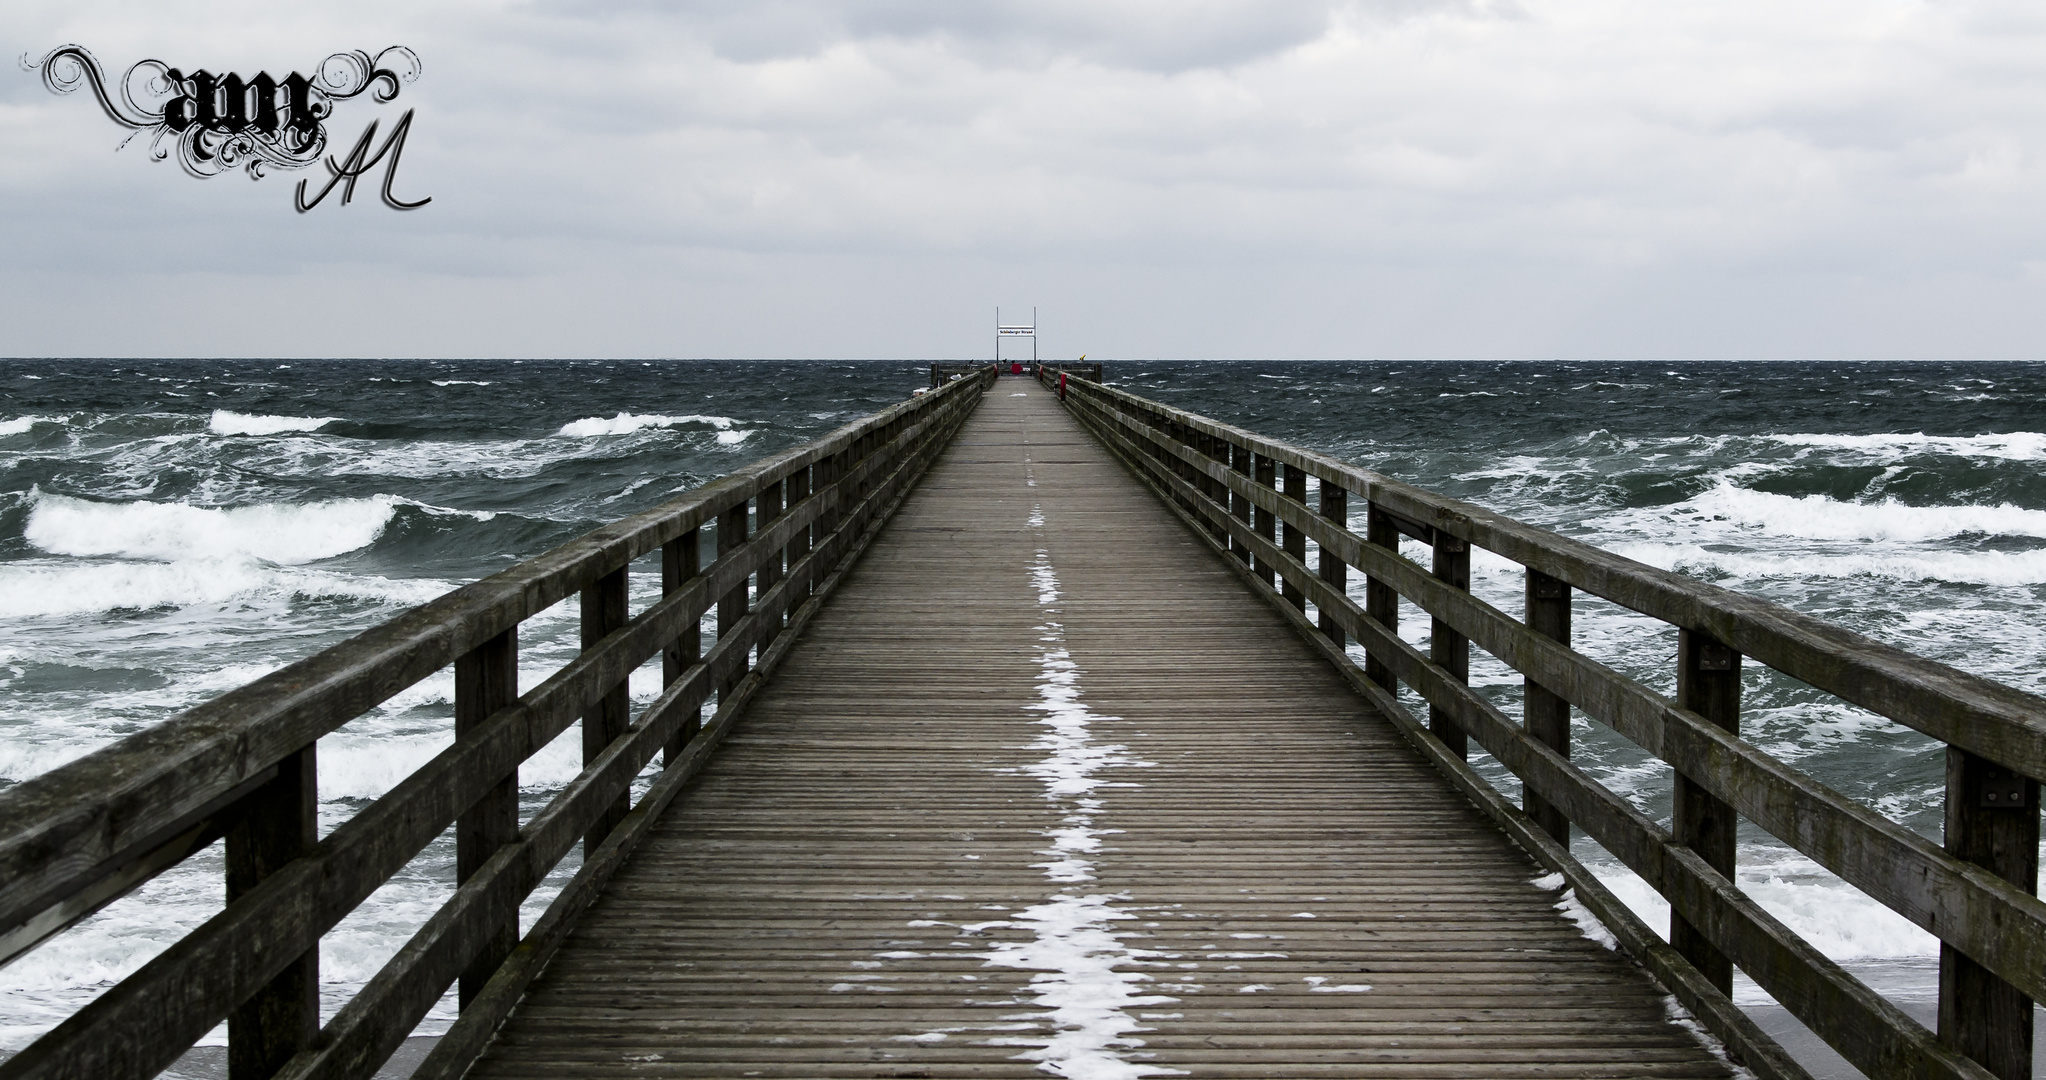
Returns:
<point x="1817" y="517"/>
<point x="1971" y="567"/>
<point x="33" y="588"/>
<point x="2012" y="446"/>
<point x="279" y="533"/>
<point x="1744" y="533"/>
<point x="626" y="423"/>
<point x="21" y="424"/>
<point x="40" y="989"/>
<point x="1840" y="920"/>
<point x="227" y="422"/>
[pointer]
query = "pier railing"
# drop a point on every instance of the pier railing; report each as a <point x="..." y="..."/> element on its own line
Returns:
<point x="781" y="532"/>
<point x="1250" y="495"/>
<point x="1049" y="371"/>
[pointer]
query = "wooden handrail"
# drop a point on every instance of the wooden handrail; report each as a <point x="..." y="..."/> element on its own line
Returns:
<point x="78" y="837"/>
<point x="1997" y="925"/>
<point x="1985" y="717"/>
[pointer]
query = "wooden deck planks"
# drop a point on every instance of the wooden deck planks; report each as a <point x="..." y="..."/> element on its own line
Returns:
<point x="1044" y="784"/>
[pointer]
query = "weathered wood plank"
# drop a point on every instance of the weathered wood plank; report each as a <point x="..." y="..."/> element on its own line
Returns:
<point x="1546" y="714"/>
<point x="1992" y="821"/>
<point x="277" y="824"/>
<point x="1709" y="684"/>
<point x="486" y="680"/>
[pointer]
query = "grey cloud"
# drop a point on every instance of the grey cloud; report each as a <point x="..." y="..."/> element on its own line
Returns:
<point x="1150" y="35"/>
<point x="1584" y="178"/>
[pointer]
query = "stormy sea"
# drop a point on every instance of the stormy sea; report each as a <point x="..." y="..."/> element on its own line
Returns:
<point x="170" y="529"/>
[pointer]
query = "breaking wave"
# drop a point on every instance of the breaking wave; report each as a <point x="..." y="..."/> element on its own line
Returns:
<point x="226" y="422"/>
<point x="625" y="423"/>
<point x="280" y="533"/>
<point x="2013" y="446"/>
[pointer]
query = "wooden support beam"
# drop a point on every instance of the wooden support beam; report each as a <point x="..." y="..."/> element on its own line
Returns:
<point x="1448" y="649"/>
<point x="1335" y="506"/>
<point x="1292" y="539"/>
<point x="1546" y="714"/>
<point x="681" y="562"/>
<point x="824" y="481"/>
<point x="733" y="605"/>
<point x="799" y="545"/>
<point x="486" y="680"/>
<point x="1239" y="460"/>
<point x="1992" y="820"/>
<point x="1709" y="684"/>
<point x="278" y="822"/>
<point x="1381" y="600"/>
<point x="604" y="609"/>
<point x="768" y="506"/>
<point x="1265" y="473"/>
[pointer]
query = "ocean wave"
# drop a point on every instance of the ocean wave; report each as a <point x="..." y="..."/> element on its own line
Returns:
<point x="2012" y="446"/>
<point x="279" y="533"/>
<point x="1958" y="567"/>
<point x="31" y="589"/>
<point x="1841" y="921"/>
<point x="1737" y="531"/>
<point x="1817" y="517"/>
<point x="227" y="422"/>
<point x="626" y="423"/>
<point x="21" y="425"/>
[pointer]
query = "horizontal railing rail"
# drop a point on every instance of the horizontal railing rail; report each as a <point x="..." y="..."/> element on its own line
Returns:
<point x="243" y="767"/>
<point x="1053" y="369"/>
<point x="944" y="373"/>
<point x="1249" y="496"/>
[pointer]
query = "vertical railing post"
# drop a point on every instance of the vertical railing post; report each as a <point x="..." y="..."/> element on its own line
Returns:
<point x="1335" y="506"/>
<point x="1992" y="820"/>
<point x="279" y="822"/>
<point x="732" y="605"/>
<point x="1546" y="716"/>
<point x="1450" y="650"/>
<point x="603" y="611"/>
<point x="1218" y="448"/>
<point x="1709" y="684"/>
<point x="1263" y="520"/>
<point x="768" y="507"/>
<point x="681" y="563"/>
<point x="1179" y="466"/>
<point x="486" y="680"/>
<point x="799" y="544"/>
<point x="823" y="485"/>
<point x="1293" y="540"/>
<point x="852" y="491"/>
<point x="1159" y="454"/>
<point x="1381" y="601"/>
<point x="1239" y="505"/>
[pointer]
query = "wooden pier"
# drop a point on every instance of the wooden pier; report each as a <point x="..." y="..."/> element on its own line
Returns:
<point x="1027" y="743"/>
<point x="857" y="885"/>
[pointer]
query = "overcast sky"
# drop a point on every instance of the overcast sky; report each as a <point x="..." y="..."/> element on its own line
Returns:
<point x="1172" y="178"/>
